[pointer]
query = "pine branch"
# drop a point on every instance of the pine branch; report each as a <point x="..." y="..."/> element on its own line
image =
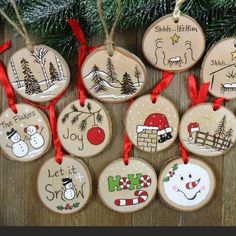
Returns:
<point x="48" y="18"/>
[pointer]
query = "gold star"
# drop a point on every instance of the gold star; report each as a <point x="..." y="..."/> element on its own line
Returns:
<point x="175" y="38"/>
<point x="233" y="55"/>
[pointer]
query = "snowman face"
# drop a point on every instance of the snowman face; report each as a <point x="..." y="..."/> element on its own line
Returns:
<point x="31" y="130"/>
<point x="69" y="186"/>
<point x="188" y="185"/>
<point x="15" y="138"/>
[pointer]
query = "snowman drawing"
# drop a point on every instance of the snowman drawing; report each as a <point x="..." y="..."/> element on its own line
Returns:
<point x="36" y="139"/>
<point x="19" y="147"/>
<point x="187" y="185"/>
<point x="69" y="192"/>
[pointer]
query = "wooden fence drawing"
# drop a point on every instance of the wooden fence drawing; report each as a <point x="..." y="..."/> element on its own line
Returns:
<point x="212" y="141"/>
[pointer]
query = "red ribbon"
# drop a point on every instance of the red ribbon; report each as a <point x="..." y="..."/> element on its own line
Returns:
<point x="127" y="143"/>
<point x="83" y="52"/>
<point x="217" y="103"/>
<point x="196" y="96"/>
<point x="165" y="81"/>
<point x="127" y="149"/>
<point x="4" y="79"/>
<point x="53" y="123"/>
<point x="184" y="153"/>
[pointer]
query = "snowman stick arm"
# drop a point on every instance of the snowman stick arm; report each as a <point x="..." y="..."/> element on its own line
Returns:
<point x="41" y="130"/>
<point x="8" y="146"/>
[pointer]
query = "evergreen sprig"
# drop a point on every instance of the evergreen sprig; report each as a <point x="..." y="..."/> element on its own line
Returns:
<point x="48" y="18"/>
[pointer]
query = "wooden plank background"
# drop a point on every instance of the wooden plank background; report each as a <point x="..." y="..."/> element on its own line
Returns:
<point x="19" y="202"/>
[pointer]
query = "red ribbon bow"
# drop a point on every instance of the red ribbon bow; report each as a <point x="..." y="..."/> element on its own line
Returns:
<point x="83" y="52"/>
<point x="165" y="81"/>
<point x="4" y="79"/>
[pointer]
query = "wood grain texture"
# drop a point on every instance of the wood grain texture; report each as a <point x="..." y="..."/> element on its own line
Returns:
<point x="19" y="202"/>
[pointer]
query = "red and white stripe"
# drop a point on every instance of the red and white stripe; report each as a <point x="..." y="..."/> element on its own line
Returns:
<point x="142" y="196"/>
<point x="124" y="183"/>
<point x="145" y="181"/>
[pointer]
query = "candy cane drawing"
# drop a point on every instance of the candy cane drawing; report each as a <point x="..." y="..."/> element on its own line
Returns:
<point x="142" y="196"/>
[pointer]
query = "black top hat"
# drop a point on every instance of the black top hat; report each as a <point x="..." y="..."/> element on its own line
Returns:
<point x="66" y="181"/>
<point x="11" y="133"/>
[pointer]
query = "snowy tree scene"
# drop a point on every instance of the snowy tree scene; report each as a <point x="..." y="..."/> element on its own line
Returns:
<point x="41" y="74"/>
<point x="111" y="82"/>
<point x="219" y="140"/>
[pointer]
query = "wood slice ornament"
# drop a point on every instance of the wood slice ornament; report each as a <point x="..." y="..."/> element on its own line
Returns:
<point x="186" y="187"/>
<point x="206" y="132"/>
<point x="25" y="135"/>
<point x="40" y="75"/>
<point x="116" y="78"/>
<point x="219" y="68"/>
<point x="84" y="131"/>
<point x="64" y="188"/>
<point x="152" y="127"/>
<point x="127" y="188"/>
<point x="174" y="46"/>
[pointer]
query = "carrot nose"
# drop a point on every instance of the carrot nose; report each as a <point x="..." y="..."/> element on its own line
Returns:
<point x="191" y="185"/>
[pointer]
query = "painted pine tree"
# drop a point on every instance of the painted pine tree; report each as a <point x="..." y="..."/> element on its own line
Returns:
<point x="137" y="74"/>
<point x="97" y="80"/>
<point x="127" y="85"/>
<point x="111" y="74"/>
<point x="220" y="131"/>
<point x="31" y="84"/>
<point x="54" y="76"/>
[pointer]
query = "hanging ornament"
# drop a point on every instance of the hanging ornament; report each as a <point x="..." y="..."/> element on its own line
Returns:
<point x="111" y="73"/>
<point x="206" y="129"/>
<point x="84" y="131"/>
<point x="84" y="126"/>
<point x="186" y="187"/>
<point x="174" y="42"/>
<point x="128" y="184"/>
<point x="64" y="188"/>
<point x="24" y="130"/>
<point x="152" y="122"/>
<point x="206" y="132"/>
<point x="127" y="188"/>
<point x="36" y="72"/>
<point x="219" y="68"/>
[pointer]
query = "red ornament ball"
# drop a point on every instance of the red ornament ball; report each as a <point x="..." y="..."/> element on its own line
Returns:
<point x="96" y="135"/>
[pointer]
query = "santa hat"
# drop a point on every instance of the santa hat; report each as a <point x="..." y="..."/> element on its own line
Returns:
<point x="11" y="133"/>
<point x="66" y="181"/>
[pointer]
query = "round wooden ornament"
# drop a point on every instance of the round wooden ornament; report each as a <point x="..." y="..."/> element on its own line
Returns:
<point x="127" y="188"/>
<point x="219" y="68"/>
<point x="116" y="78"/>
<point x="174" y="46"/>
<point x="152" y="127"/>
<point x="40" y="75"/>
<point x="206" y="132"/>
<point x="84" y="131"/>
<point x="186" y="187"/>
<point x="25" y="135"/>
<point x="64" y="188"/>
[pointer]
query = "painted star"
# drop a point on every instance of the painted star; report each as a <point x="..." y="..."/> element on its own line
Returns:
<point x="233" y="55"/>
<point x="175" y="38"/>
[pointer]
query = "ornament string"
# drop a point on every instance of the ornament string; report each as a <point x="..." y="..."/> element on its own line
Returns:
<point x="176" y="13"/>
<point x="165" y="81"/>
<point x="109" y="36"/>
<point x="217" y="103"/>
<point x="127" y="144"/>
<point x="53" y="123"/>
<point x="196" y="96"/>
<point x="23" y="32"/>
<point x="83" y="52"/>
<point x="4" y="79"/>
